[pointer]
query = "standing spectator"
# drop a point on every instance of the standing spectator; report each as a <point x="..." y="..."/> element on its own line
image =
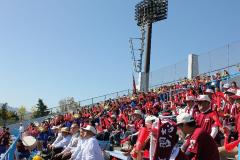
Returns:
<point x="21" y="130"/>
<point x="234" y="86"/>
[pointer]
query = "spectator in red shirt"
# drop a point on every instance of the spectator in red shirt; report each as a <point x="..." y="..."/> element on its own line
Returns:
<point x="207" y="120"/>
<point x="199" y="145"/>
<point x="191" y="108"/>
<point x="226" y="151"/>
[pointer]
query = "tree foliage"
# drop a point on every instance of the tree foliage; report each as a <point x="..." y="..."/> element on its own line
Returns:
<point x="21" y="112"/>
<point x="42" y="109"/>
<point x="7" y="116"/>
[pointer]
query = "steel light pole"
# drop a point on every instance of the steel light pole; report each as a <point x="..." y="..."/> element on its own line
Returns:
<point x="146" y="13"/>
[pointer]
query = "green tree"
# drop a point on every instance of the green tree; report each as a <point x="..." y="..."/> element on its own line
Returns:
<point x="21" y="112"/>
<point x="34" y="111"/>
<point x="4" y="114"/>
<point x="12" y="116"/>
<point x="42" y="109"/>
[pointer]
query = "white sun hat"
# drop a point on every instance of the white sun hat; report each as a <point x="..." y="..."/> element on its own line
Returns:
<point x="203" y="98"/>
<point x="150" y="119"/>
<point x="237" y="95"/>
<point x="184" y="118"/>
<point x="91" y="129"/>
<point x="209" y="90"/>
<point x="190" y="98"/>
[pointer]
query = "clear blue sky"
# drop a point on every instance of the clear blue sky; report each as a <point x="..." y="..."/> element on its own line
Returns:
<point x="52" y="49"/>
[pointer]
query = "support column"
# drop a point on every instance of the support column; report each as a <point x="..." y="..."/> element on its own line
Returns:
<point x="193" y="68"/>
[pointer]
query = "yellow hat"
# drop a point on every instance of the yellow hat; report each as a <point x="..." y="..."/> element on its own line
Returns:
<point x="41" y="129"/>
<point x="76" y="116"/>
<point x="65" y="129"/>
<point x="37" y="157"/>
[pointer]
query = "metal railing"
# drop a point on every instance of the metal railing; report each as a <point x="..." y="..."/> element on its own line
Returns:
<point x="113" y="95"/>
<point x="9" y="154"/>
<point x="223" y="58"/>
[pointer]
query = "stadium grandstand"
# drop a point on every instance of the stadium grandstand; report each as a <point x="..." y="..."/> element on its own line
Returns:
<point x="127" y="124"/>
<point x="189" y="110"/>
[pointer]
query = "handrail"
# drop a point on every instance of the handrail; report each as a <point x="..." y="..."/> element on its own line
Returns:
<point x="9" y="155"/>
<point x="151" y="87"/>
<point x="175" y="81"/>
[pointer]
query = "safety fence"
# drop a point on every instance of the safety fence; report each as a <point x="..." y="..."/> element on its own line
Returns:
<point x="223" y="58"/>
<point x="9" y="154"/>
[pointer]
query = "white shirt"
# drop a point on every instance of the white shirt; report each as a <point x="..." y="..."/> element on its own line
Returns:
<point x="73" y="142"/>
<point x="90" y="151"/>
<point x="64" y="142"/>
<point x="58" y="139"/>
<point x="77" y="149"/>
<point x="21" y="129"/>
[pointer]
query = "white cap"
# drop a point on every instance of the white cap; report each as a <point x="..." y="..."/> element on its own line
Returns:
<point x="237" y="95"/>
<point x="226" y="85"/>
<point x="90" y="128"/>
<point x="238" y="92"/>
<point x="203" y="98"/>
<point x="113" y="116"/>
<point x="150" y="119"/>
<point x="231" y="91"/>
<point x="209" y="91"/>
<point x="190" y="98"/>
<point x="137" y="112"/>
<point x="213" y="83"/>
<point x="184" y="118"/>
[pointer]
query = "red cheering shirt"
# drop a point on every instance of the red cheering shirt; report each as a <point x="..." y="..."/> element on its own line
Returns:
<point x="202" y="145"/>
<point x="238" y="124"/>
<point x="138" y="124"/>
<point x="208" y="120"/>
<point x="194" y="111"/>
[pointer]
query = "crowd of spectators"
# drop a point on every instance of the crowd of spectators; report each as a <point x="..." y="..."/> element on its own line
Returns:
<point x="4" y="139"/>
<point x="195" y="119"/>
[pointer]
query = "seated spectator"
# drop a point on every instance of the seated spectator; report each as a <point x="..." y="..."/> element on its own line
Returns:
<point x="199" y="144"/>
<point x="230" y="143"/>
<point x="4" y="140"/>
<point x="22" y="152"/>
<point x="56" y="148"/>
<point x="79" y="145"/>
<point x="207" y="119"/>
<point x="42" y="138"/>
<point x="91" y="149"/>
<point x="67" y="152"/>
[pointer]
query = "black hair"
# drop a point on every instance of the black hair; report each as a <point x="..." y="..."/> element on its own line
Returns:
<point x="191" y="124"/>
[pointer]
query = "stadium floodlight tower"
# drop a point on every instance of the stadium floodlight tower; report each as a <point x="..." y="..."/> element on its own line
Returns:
<point x="146" y="13"/>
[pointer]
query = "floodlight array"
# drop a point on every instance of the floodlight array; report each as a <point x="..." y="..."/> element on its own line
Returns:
<point x="150" y="11"/>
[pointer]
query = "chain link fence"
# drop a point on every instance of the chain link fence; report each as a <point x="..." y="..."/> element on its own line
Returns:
<point x="223" y="58"/>
<point x="169" y="74"/>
